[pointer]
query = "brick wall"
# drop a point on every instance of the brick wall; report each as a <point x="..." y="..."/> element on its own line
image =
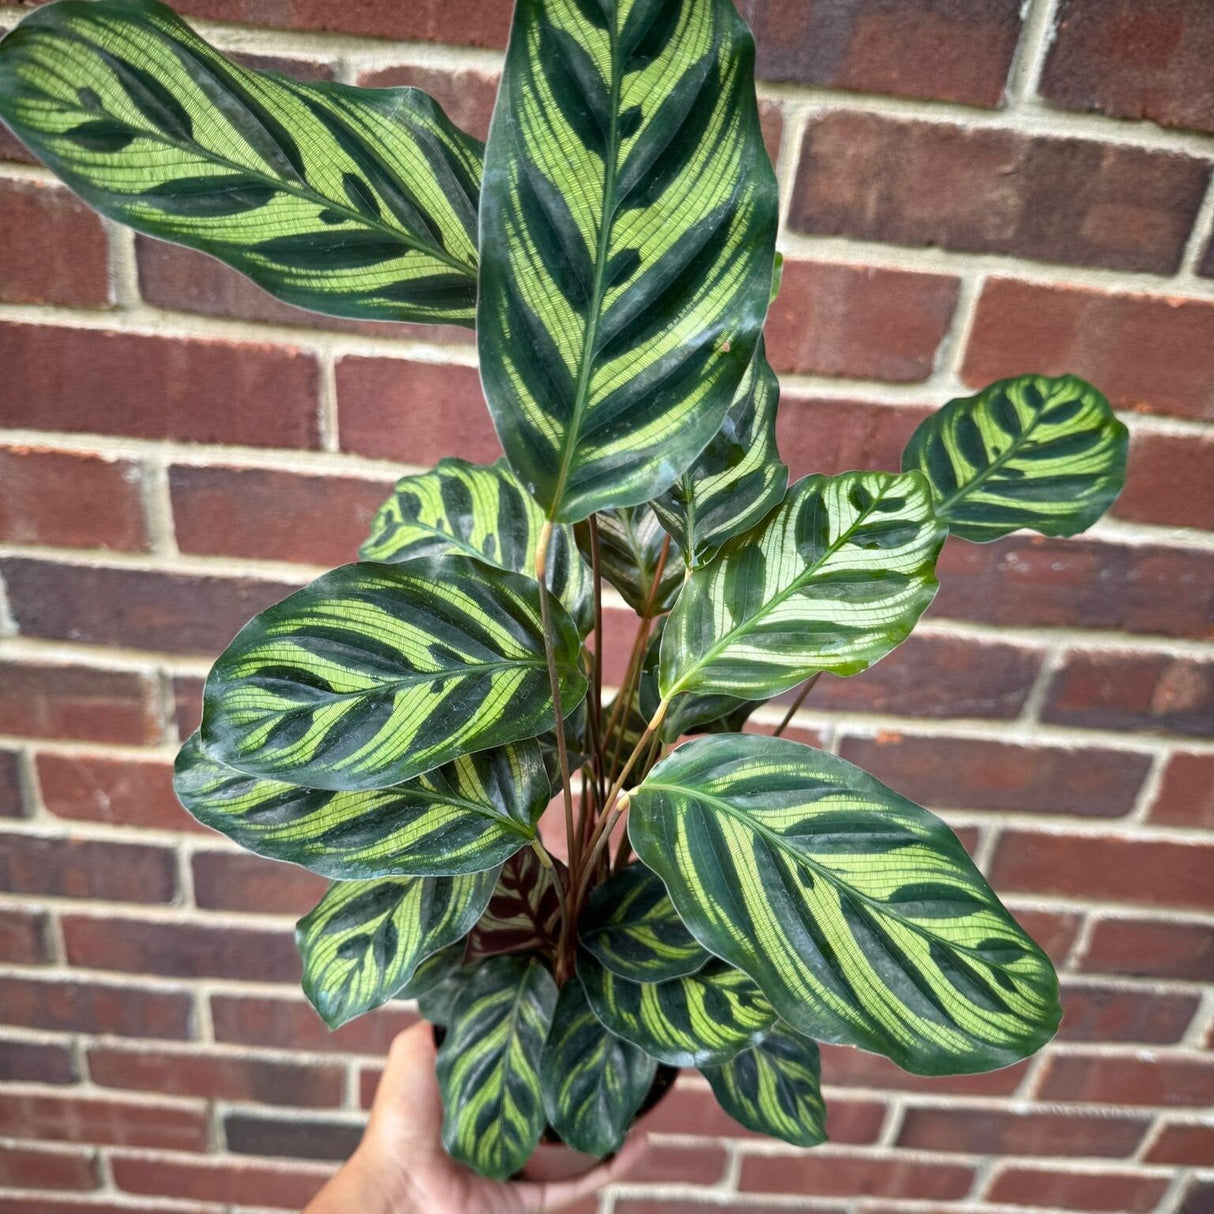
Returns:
<point x="972" y="188"/>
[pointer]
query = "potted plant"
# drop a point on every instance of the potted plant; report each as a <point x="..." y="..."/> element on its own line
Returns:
<point x="400" y="724"/>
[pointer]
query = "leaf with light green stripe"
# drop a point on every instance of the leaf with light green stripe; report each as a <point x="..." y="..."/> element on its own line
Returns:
<point x="736" y="479"/>
<point x="773" y="1088"/>
<point x="631" y="927"/>
<point x="700" y="1019"/>
<point x="374" y="674"/>
<point x="355" y="202"/>
<point x="631" y="541"/>
<point x="489" y="1063"/>
<point x="471" y="814"/>
<point x="628" y="225"/>
<point x="857" y="912"/>
<point x="593" y="1082"/>
<point x="831" y="580"/>
<point x="1026" y="452"/>
<point x="363" y="941"/>
<point x="484" y="512"/>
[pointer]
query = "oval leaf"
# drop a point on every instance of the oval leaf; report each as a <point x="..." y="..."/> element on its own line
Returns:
<point x="355" y="202"/>
<point x="832" y="580"/>
<point x="593" y="1082"/>
<point x="1026" y="452"/>
<point x="628" y="230"/>
<point x="857" y="912"/>
<point x="363" y="941"/>
<point x="374" y="674"/>
<point x="704" y="1018"/>
<point x="488" y="1065"/>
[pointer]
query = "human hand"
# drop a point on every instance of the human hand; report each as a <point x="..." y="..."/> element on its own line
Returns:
<point x="401" y="1166"/>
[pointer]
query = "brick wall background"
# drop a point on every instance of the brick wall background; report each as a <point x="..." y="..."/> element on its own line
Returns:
<point x="972" y="188"/>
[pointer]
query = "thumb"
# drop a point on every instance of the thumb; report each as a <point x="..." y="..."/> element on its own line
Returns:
<point x="408" y="1098"/>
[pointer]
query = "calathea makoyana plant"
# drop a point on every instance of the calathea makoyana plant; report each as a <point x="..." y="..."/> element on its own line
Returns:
<point x="400" y="724"/>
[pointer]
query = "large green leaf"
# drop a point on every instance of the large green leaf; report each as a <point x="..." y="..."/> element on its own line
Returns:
<point x="488" y="1065"/>
<point x="628" y="227"/>
<point x="363" y="941"/>
<point x="357" y="202"/>
<point x="631" y="540"/>
<point x="1026" y="452"/>
<point x="469" y="815"/>
<point x="593" y="1082"/>
<point x="698" y="1020"/>
<point x="857" y="912"/>
<point x="631" y="927"/>
<point x="831" y="580"/>
<point x="524" y="914"/>
<point x="374" y="674"/>
<point x="736" y="479"/>
<point x="482" y="512"/>
<point x="773" y="1088"/>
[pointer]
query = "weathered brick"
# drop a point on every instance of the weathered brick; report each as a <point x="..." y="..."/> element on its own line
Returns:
<point x="266" y="514"/>
<point x="698" y="1164"/>
<point x="87" y="868"/>
<point x="1003" y="1132"/>
<point x="294" y="1138"/>
<point x="1137" y="349"/>
<point x="466" y="94"/>
<point x="1133" y="693"/>
<point x="290" y="1023"/>
<point x="62" y="256"/>
<point x="241" y="882"/>
<point x="75" y="1006"/>
<point x="104" y="1121"/>
<point x="953" y="50"/>
<point x="180" y="950"/>
<point x="135" y="608"/>
<point x="1095" y="1013"/>
<point x="392" y="408"/>
<point x="83" y="703"/>
<point x="824" y="1173"/>
<point x="1186" y="796"/>
<point x="216" y="1076"/>
<point x="288" y="1187"/>
<point x="972" y="773"/>
<point x="187" y="702"/>
<point x="1119" y="869"/>
<point x="833" y="436"/>
<point x="1151" y="948"/>
<point x="861" y="323"/>
<point x="12" y="800"/>
<point x="1182" y="1143"/>
<point x="125" y="792"/>
<point x="23" y="935"/>
<point x="32" y="1166"/>
<point x="1167" y="481"/>
<point x="843" y="1066"/>
<point x="1153" y="61"/>
<point x="194" y="389"/>
<point x="1122" y="1192"/>
<point x="36" y="1062"/>
<point x="1135" y="1080"/>
<point x="985" y="190"/>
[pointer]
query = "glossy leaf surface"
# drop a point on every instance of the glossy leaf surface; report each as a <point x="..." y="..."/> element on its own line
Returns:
<point x="524" y="914"/>
<point x="374" y="674"/>
<point x="627" y="235"/>
<point x="356" y="202"/>
<point x="631" y="540"/>
<point x="857" y="912"/>
<point x="1028" y="452"/>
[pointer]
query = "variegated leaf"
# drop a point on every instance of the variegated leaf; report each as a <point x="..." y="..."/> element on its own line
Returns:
<point x="524" y="914"/>
<point x="631" y="541"/>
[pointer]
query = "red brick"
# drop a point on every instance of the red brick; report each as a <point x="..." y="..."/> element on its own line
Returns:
<point x="1134" y="693"/>
<point x="70" y="500"/>
<point x="103" y="1121"/>
<point x="669" y="1164"/>
<point x="187" y="702"/>
<point x="1168" y="480"/>
<point x="1119" y="1192"/>
<point x="264" y="514"/>
<point x="1198" y="1197"/>
<point x="664" y="1205"/>
<point x="11" y="148"/>
<point x="12" y="801"/>
<point x="833" y="436"/>
<point x="307" y="70"/>
<point x="135" y="608"/>
<point x="1119" y="869"/>
<point x="862" y="323"/>
<point x="1149" y="948"/>
<point x="87" y="868"/>
<point x="180" y="950"/>
<point x="1054" y="931"/>
<point x="23" y="936"/>
<point x="843" y="1066"/>
<point x="36" y="1062"/>
<point x="240" y="882"/>
<point x="1034" y="582"/>
<point x="823" y="1173"/>
<point x="194" y="389"/>
<point x="1184" y="1144"/>
<point x="1135" y="1080"/>
<point x="288" y="1187"/>
<point x="75" y="1006"/>
<point x="1002" y="1132"/>
<point x="1095" y="1013"/>
<point x="290" y="1137"/>
<point x="983" y="190"/>
<point x="125" y="792"/>
<point x="292" y="1024"/>
<point x="84" y="703"/>
<point x="971" y="773"/>
<point x="77" y="1205"/>
<point x="466" y="95"/>
<point x="1137" y="349"/>
<point x="1153" y="61"/>
<point x="958" y="50"/>
<point x="1186" y="796"/>
<point x="217" y="1077"/>
<point x="44" y="1167"/>
<point x="62" y="256"/>
<point x="391" y="408"/>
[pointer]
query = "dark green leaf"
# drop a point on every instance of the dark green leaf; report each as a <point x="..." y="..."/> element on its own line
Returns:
<point x="631" y="541"/>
